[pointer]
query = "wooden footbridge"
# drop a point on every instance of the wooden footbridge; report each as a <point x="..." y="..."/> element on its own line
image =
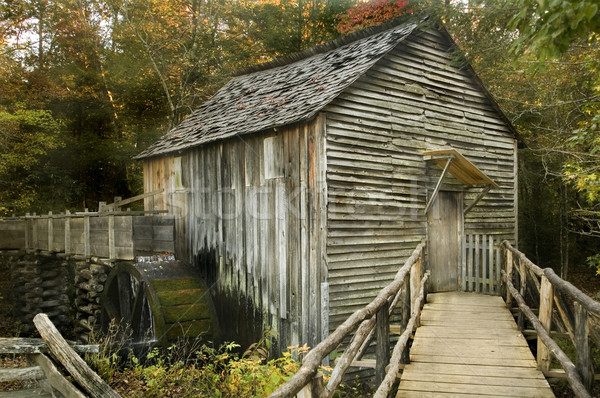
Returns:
<point x="465" y="344"/>
<point x="469" y="344"/>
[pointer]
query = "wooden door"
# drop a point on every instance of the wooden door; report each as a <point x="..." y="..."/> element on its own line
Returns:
<point x="445" y="223"/>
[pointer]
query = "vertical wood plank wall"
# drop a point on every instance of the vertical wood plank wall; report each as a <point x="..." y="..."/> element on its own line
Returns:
<point x="251" y="213"/>
<point x="414" y="99"/>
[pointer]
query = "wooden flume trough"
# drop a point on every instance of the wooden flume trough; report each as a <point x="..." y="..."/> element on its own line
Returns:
<point x="122" y="266"/>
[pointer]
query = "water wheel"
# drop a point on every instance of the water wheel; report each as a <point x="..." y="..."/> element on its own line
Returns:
<point x="157" y="302"/>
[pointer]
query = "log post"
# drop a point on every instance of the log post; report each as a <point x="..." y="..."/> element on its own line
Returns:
<point x="407" y="310"/>
<point x="523" y="282"/>
<point x="50" y="232"/>
<point x="28" y="237"/>
<point x="509" y="274"/>
<point x="544" y="357"/>
<point x="583" y="354"/>
<point x="67" y="232"/>
<point x="86" y="235"/>
<point x="81" y="372"/>
<point x="111" y="237"/>
<point x="383" y="343"/>
<point x="117" y="205"/>
<point x="317" y="387"/>
<point x="34" y="231"/>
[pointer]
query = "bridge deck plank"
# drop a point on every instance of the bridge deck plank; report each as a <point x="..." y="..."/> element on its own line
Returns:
<point x="469" y="345"/>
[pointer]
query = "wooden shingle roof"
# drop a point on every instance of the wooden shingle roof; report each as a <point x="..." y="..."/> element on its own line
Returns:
<point x="280" y="95"/>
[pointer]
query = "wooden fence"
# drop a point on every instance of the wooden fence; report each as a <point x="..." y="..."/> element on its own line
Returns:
<point x="112" y="235"/>
<point x="408" y="288"/>
<point x="481" y="264"/>
<point x="44" y="368"/>
<point x="559" y="303"/>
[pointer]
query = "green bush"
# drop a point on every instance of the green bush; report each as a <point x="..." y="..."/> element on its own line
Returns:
<point x="205" y="372"/>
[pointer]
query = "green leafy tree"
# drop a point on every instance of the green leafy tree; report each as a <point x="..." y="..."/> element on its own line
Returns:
<point x="26" y="138"/>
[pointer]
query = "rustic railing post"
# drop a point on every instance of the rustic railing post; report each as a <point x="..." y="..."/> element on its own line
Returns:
<point x="522" y="287"/>
<point x="117" y="206"/>
<point x="111" y="237"/>
<point x="415" y="282"/>
<point x="50" y="232"/>
<point x="544" y="357"/>
<point x="28" y="237"/>
<point x="86" y="235"/>
<point x="34" y="233"/>
<point x="492" y="280"/>
<point x="383" y="342"/>
<point x="67" y="232"/>
<point x="406" y="312"/>
<point x="498" y="270"/>
<point x="477" y="263"/>
<point x="509" y="274"/>
<point x="470" y="256"/>
<point x="583" y="354"/>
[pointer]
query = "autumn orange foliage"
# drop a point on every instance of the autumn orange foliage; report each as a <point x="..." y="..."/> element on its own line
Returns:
<point x="372" y="13"/>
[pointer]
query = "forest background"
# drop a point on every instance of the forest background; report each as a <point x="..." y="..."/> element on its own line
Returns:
<point x="85" y="85"/>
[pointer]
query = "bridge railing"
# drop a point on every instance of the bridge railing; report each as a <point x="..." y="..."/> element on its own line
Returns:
<point x="108" y="233"/>
<point x="407" y="288"/>
<point x="560" y="304"/>
<point x="112" y="235"/>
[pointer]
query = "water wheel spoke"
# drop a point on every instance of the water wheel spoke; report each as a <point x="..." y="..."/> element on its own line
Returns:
<point x="137" y="312"/>
<point x="111" y="309"/>
<point x="124" y="293"/>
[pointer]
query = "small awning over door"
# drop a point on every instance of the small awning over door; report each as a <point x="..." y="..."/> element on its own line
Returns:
<point x="453" y="162"/>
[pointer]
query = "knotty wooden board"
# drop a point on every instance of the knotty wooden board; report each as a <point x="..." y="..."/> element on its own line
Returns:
<point x="469" y="345"/>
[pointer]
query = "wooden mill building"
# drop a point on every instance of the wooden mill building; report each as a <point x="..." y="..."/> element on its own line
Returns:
<point x="303" y="184"/>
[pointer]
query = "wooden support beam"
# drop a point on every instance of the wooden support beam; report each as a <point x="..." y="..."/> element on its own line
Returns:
<point x="523" y="286"/>
<point x="383" y="343"/>
<point x="81" y="372"/>
<point x="50" y="231"/>
<point x="68" y="248"/>
<point x="86" y="236"/>
<point x="477" y="199"/>
<point x="121" y="203"/>
<point x="54" y="377"/>
<point x="544" y="358"/>
<point x="21" y="374"/>
<point x="584" y="360"/>
<point x="438" y="185"/>
<point x="509" y="274"/>
<point x="111" y="237"/>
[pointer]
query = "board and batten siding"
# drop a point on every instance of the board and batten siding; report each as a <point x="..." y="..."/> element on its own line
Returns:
<point x="414" y="99"/>
<point x="251" y="215"/>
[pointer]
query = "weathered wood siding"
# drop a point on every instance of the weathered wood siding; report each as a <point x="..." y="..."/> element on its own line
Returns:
<point x="252" y="219"/>
<point x="415" y="99"/>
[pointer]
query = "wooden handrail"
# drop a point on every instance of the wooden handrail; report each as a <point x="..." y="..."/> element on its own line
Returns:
<point x="580" y="375"/>
<point x="392" y="372"/>
<point x="123" y="202"/>
<point x="586" y="302"/>
<point x="570" y="369"/>
<point x="522" y="258"/>
<point x="314" y="357"/>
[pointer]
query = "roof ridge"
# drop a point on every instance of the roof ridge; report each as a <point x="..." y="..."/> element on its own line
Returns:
<point x="329" y="46"/>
